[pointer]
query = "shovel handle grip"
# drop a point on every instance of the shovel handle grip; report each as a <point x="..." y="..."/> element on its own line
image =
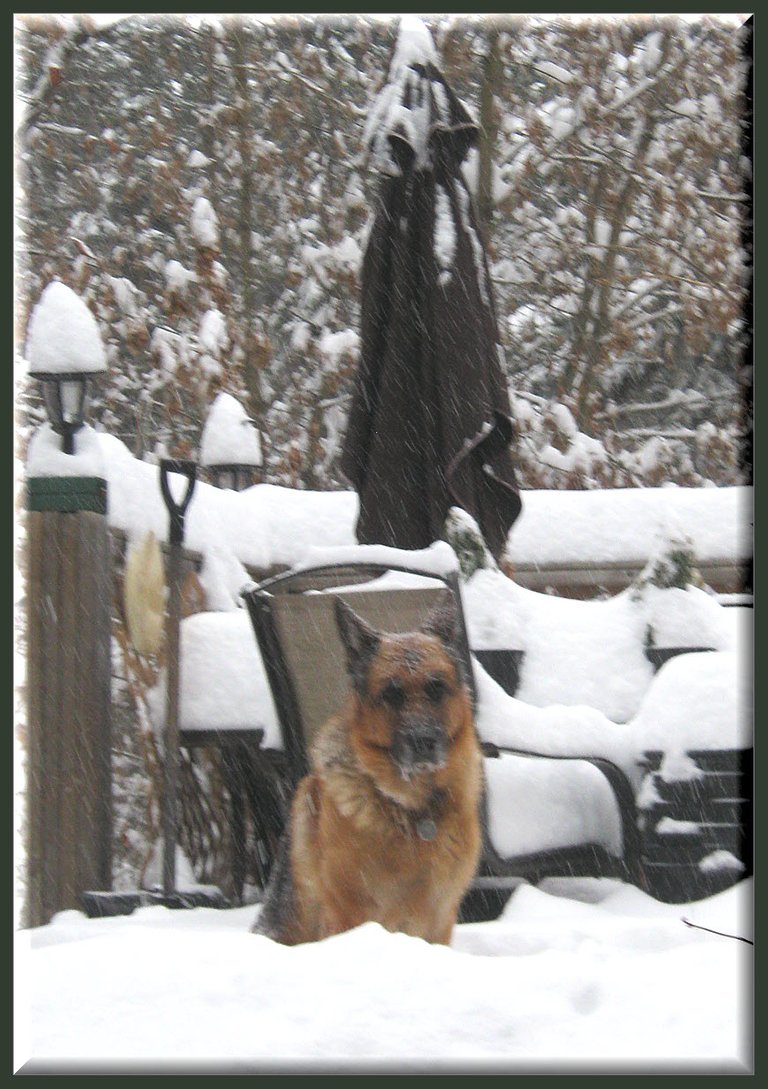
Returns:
<point x="177" y="510"/>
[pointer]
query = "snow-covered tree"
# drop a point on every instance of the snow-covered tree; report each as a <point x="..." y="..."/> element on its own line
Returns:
<point x="619" y="217"/>
<point x="610" y="179"/>
<point x="116" y="206"/>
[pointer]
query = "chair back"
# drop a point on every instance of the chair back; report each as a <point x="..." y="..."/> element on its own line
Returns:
<point x="294" y="620"/>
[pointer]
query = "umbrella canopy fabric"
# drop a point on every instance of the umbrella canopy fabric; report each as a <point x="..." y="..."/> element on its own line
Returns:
<point x="429" y="425"/>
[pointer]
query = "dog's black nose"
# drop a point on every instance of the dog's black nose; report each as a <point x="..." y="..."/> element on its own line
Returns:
<point x="425" y="747"/>
<point x="420" y="744"/>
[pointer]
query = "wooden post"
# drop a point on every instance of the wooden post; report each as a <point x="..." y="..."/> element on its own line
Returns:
<point x="69" y="776"/>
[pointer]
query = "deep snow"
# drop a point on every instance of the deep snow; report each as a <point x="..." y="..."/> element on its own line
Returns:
<point x="575" y="976"/>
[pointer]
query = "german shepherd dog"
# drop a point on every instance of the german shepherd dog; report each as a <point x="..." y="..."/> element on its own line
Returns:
<point x="386" y="826"/>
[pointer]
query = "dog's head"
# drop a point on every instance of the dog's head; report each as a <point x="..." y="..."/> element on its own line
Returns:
<point x="412" y="700"/>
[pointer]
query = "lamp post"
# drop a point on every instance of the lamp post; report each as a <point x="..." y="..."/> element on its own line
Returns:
<point x="65" y="353"/>
<point x="69" y="594"/>
<point x="230" y="447"/>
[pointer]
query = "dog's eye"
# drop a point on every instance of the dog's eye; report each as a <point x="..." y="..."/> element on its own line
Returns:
<point x="435" y="689"/>
<point x="393" y="695"/>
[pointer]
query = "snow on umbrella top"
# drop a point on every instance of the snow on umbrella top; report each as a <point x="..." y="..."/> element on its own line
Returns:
<point x="229" y="437"/>
<point x="416" y="114"/>
<point x="429" y="424"/>
<point x="63" y="337"/>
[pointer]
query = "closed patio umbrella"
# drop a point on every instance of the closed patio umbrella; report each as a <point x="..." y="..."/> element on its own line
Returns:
<point x="429" y="425"/>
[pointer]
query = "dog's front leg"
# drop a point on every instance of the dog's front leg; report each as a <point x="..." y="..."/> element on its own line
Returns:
<point x="342" y="913"/>
<point x="443" y="931"/>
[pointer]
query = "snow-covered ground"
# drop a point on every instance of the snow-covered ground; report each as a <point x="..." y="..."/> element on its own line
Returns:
<point x="575" y="976"/>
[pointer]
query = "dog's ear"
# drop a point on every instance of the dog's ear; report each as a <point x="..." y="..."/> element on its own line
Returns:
<point x="360" y="643"/>
<point x="443" y="622"/>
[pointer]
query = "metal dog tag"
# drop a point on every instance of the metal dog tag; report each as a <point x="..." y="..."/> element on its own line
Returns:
<point x="426" y="829"/>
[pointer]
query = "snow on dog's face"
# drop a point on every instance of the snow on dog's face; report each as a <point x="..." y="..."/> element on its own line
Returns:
<point x="412" y="703"/>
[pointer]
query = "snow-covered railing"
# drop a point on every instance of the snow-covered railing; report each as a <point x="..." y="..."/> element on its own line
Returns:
<point x="581" y="543"/>
<point x="587" y="579"/>
<point x="576" y="543"/>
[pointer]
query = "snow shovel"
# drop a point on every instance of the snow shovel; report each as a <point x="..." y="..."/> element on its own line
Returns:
<point x="177" y="511"/>
<point x="122" y="903"/>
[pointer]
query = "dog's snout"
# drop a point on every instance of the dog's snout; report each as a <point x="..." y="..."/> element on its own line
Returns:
<point x="425" y="745"/>
<point x="420" y="744"/>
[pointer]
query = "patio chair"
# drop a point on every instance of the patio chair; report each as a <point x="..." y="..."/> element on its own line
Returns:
<point x="294" y="623"/>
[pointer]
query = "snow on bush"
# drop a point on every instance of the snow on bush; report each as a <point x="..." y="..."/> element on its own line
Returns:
<point x="333" y="346"/>
<point x="213" y="332"/>
<point x="205" y="224"/>
<point x="126" y="294"/>
<point x="463" y="535"/>
<point x="178" y="278"/>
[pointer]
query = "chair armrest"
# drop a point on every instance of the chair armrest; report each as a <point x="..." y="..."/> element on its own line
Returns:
<point x="622" y="791"/>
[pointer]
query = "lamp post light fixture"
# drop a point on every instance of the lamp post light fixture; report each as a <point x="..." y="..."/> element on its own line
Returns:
<point x="65" y="353"/>
<point x="236" y="477"/>
<point x="66" y="398"/>
<point x="230" y="448"/>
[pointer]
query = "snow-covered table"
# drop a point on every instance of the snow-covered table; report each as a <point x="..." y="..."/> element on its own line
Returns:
<point x="226" y="707"/>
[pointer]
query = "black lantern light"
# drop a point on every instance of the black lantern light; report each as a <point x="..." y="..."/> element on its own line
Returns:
<point x="236" y="477"/>
<point x="66" y="398"/>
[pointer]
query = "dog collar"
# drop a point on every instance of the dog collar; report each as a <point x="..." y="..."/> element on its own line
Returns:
<point x="421" y="821"/>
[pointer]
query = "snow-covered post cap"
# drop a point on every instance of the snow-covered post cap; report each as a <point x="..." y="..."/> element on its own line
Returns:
<point x="64" y="351"/>
<point x="230" y="447"/>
